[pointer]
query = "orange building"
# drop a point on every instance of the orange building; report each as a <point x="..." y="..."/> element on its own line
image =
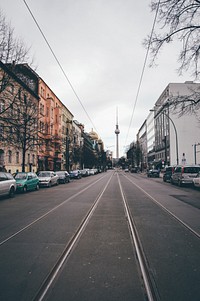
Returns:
<point x="50" y="129"/>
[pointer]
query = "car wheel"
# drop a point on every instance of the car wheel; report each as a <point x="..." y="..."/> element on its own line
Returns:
<point x="57" y="183"/>
<point x="25" y="189"/>
<point x="179" y="183"/>
<point x="49" y="184"/>
<point x="12" y="192"/>
<point x="37" y="187"/>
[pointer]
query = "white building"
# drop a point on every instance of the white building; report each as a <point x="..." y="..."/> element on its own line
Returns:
<point x="176" y="137"/>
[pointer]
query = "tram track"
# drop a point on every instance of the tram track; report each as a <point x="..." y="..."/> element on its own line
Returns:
<point x="69" y="247"/>
<point x="53" y="276"/>
<point x="2" y="242"/>
<point x="164" y="208"/>
<point x="62" y="261"/>
<point x="110" y="225"/>
<point x="149" y="288"/>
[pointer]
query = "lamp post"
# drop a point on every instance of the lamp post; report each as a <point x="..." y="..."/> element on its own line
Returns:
<point x="176" y="135"/>
<point x="195" y="152"/>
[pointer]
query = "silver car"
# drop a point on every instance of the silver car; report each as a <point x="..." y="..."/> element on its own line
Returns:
<point x="7" y="184"/>
<point x="184" y="174"/>
<point x="196" y="180"/>
<point x="48" y="178"/>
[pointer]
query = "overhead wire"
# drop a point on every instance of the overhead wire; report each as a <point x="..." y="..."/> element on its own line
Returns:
<point x="59" y="64"/>
<point x="142" y="73"/>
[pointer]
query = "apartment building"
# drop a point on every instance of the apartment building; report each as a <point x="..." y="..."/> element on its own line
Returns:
<point x="19" y="105"/>
<point x="50" y="129"/>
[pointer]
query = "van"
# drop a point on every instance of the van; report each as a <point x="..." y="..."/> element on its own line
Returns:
<point x="184" y="174"/>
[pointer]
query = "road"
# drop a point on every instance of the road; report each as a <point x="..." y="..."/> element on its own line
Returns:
<point x="112" y="236"/>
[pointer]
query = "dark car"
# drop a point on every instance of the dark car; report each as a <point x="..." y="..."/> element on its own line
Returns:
<point x="63" y="176"/>
<point x="168" y="173"/>
<point x="134" y="169"/>
<point x="153" y="173"/>
<point x="75" y="174"/>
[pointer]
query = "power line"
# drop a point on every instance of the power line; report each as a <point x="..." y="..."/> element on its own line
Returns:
<point x="59" y="64"/>
<point x="142" y="74"/>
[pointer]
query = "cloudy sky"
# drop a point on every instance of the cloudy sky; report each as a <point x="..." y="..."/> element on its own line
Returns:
<point x="99" y="45"/>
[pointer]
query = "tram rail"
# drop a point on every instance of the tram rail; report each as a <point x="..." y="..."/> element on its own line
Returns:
<point x="138" y="247"/>
<point x="179" y="220"/>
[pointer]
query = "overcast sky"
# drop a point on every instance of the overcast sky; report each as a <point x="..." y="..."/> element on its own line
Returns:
<point x="99" y="45"/>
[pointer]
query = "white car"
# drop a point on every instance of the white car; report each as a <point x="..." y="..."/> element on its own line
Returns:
<point x="196" y="180"/>
<point x="7" y="184"/>
<point x="48" y="178"/>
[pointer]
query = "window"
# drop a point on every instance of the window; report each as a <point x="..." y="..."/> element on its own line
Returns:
<point x="11" y="89"/>
<point x="9" y="156"/>
<point x="19" y="94"/>
<point x="17" y="157"/>
<point x="33" y="159"/>
<point x="2" y="106"/>
<point x="28" y="158"/>
<point x="1" y="131"/>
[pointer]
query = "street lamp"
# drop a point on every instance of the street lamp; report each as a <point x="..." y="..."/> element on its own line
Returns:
<point x="195" y="152"/>
<point x="175" y="130"/>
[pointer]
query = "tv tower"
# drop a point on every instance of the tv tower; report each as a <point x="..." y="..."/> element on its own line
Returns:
<point x="117" y="131"/>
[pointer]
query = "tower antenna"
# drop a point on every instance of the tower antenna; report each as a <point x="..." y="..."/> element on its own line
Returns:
<point x="117" y="131"/>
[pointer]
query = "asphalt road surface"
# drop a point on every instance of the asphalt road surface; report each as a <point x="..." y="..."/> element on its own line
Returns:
<point x="111" y="236"/>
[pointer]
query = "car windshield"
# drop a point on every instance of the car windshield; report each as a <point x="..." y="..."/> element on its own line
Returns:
<point x="60" y="172"/>
<point x="44" y="174"/>
<point x="21" y="176"/>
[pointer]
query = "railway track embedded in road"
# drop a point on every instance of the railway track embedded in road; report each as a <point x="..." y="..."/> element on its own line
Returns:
<point x="164" y="208"/>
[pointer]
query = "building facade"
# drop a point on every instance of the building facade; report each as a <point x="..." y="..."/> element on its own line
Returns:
<point x="37" y="131"/>
<point x="176" y="134"/>
<point x="19" y="104"/>
<point x="168" y="136"/>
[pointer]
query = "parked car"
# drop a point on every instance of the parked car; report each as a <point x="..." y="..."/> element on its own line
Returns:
<point x="85" y="172"/>
<point x="184" y="174"/>
<point x="134" y="169"/>
<point x="153" y="173"/>
<point x="92" y="171"/>
<point x="26" y="181"/>
<point x="63" y="176"/>
<point x="196" y="180"/>
<point x="75" y="174"/>
<point x="7" y="184"/>
<point x="168" y="173"/>
<point x="48" y="178"/>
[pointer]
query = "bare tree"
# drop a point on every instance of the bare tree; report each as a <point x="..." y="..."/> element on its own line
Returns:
<point x="18" y="96"/>
<point x="179" y="20"/>
<point x="12" y="52"/>
<point x="20" y="125"/>
<point x="11" y="48"/>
